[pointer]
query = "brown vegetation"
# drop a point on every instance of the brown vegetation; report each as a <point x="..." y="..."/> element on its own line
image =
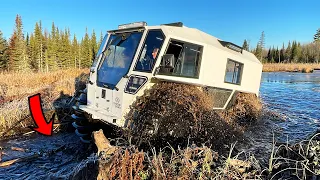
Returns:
<point x="180" y="114"/>
<point x="16" y="87"/>
<point x="298" y="161"/>
<point x="290" y="67"/>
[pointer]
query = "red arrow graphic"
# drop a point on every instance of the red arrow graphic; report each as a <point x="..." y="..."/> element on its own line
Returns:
<point x="38" y="117"/>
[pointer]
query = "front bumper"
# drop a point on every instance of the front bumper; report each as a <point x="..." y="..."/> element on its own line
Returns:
<point x="98" y="114"/>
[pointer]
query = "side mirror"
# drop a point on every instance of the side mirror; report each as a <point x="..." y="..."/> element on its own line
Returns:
<point x="167" y="61"/>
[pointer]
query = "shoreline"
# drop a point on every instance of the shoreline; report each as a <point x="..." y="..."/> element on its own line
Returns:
<point x="290" y="67"/>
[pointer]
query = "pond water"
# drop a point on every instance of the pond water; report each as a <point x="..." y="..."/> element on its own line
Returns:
<point x="296" y="97"/>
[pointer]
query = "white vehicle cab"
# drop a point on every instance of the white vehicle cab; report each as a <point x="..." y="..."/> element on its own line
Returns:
<point x="135" y="56"/>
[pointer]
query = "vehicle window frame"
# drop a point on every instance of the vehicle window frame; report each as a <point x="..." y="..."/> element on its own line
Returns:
<point x="141" y="49"/>
<point x="240" y="74"/>
<point x="199" y="64"/>
<point x="133" y="57"/>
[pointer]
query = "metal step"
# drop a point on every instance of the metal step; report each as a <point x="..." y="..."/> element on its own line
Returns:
<point x="81" y="127"/>
<point x="80" y="134"/>
<point x="75" y="117"/>
<point x="86" y="141"/>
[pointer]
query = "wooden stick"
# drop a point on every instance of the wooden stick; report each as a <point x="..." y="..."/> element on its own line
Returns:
<point x="18" y="149"/>
<point x="103" y="144"/>
<point x="10" y="162"/>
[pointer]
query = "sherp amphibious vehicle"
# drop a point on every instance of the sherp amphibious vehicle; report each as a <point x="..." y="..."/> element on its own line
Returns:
<point x="135" y="56"/>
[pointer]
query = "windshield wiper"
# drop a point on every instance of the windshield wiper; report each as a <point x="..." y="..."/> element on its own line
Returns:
<point x="108" y="87"/>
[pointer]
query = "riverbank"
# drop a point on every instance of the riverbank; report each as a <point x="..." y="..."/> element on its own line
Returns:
<point x="290" y="67"/>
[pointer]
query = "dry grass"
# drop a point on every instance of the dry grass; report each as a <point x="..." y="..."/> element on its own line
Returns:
<point x="290" y="67"/>
<point x="298" y="161"/>
<point x="15" y="88"/>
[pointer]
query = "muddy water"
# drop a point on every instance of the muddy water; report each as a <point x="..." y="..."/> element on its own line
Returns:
<point x="294" y="96"/>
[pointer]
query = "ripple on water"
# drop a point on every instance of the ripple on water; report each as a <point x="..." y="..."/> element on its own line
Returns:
<point x="296" y="97"/>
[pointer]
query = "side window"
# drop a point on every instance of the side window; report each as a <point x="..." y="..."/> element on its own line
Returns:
<point x="233" y="72"/>
<point x="187" y="59"/>
<point x="150" y="51"/>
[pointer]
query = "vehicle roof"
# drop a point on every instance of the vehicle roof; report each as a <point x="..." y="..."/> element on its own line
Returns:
<point x="197" y="35"/>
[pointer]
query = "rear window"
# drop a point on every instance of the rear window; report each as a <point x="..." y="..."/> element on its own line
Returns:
<point x="233" y="72"/>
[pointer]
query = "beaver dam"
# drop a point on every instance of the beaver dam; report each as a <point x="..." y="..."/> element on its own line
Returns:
<point x="196" y="142"/>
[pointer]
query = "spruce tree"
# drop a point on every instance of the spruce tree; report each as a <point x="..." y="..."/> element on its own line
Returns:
<point x="316" y="37"/>
<point x="260" y="47"/>
<point x="52" y="49"/>
<point x="18" y="61"/>
<point x="37" y="47"/>
<point x="282" y="53"/>
<point x="94" y="45"/>
<point x="86" y="53"/>
<point x="65" y="45"/>
<point x="288" y="52"/>
<point x="269" y="56"/>
<point x="294" y="51"/>
<point x="3" y="53"/>
<point x="100" y="40"/>
<point x="245" y="45"/>
<point x="277" y="55"/>
<point x="45" y="50"/>
<point x="75" y="51"/>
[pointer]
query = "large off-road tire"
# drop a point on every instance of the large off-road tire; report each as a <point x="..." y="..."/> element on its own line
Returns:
<point x="81" y="122"/>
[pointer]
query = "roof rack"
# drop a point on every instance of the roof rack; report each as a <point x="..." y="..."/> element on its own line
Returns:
<point x="231" y="46"/>
<point x="177" y="24"/>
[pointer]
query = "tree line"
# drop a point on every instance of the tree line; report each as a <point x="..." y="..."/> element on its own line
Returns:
<point x="45" y="51"/>
<point x="293" y="52"/>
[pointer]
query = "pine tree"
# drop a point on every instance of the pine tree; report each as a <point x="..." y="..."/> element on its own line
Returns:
<point x="288" y="53"/>
<point x="18" y="61"/>
<point x="316" y="37"/>
<point x="245" y="45"/>
<point x="45" y="50"/>
<point x="65" y="44"/>
<point x="282" y="53"/>
<point x="94" y="45"/>
<point x="277" y="55"/>
<point x="269" y="56"/>
<point x="52" y="49"/>
<point x="28" y="49"/>
<point x="260" y="47"/>
<point x="75" y="51"/>
<point x="101" y="39"/>
<point x="38" y="48"/>
<point x="86" y="53"/>
<point x="294" y="51"/>
<point x="3" y="53"/>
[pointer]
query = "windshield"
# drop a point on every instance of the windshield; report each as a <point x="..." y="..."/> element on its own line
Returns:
<point x="103" y="43"/>
<point x="117" y="58"/>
